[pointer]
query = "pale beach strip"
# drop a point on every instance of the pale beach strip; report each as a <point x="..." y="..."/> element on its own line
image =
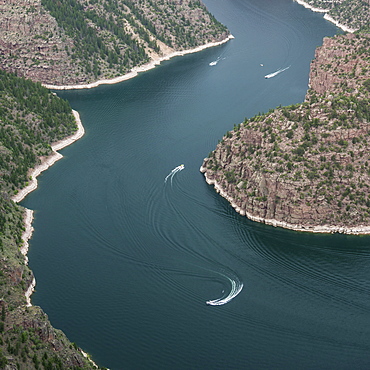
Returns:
<point x="27" y="219"/>
<point x="28" y="214"/>
<point x="326" y="16"/>
<point x="308" y="6"/>
<point x="50" y="160"/>
<point x="29" y="292"/>
<point x="325" y="229"/>
<point x="136" y="70"/>
<point x="343" y="27"/>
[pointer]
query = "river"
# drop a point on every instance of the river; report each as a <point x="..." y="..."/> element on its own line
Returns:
<point x="125" y="262"/>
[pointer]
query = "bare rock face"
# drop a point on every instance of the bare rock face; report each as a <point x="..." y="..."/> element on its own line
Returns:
<point x="40" y="324"/>
<point x="340" y="65"/>
<point x="32" y="328"/>
<point x="32" y="44"/>
<point x="306" y="166"/>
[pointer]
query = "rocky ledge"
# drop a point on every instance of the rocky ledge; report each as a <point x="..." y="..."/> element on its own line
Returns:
<point x="306" y="166"/>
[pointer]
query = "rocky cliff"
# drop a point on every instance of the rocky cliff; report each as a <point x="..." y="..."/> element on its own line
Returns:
<point x="82" y="41"/>
<point x="341" y="66"/>
<point x="33" y="45"/>
<point x="306" y="166"/>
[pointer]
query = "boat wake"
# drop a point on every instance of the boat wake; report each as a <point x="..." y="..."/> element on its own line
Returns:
<point x="216" y="61"/>
<point x="236" y="287"/>
<point x="173" y="172"/>
<point x="277" y="72"/>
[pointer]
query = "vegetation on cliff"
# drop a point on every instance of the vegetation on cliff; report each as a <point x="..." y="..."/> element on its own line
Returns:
<point x="306" y="164"/>
<point x="354" y="14"/>
<point x="31" y="119"/>
<point x="81" y="41"/>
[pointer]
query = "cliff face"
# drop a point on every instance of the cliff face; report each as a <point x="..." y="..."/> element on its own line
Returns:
<point x="306" y="166"/>
<point x="341" y="65"/>
<point x="33" y="342"/>
<point x="82" y="41"/>
<point x="353" y="14"/>
<point x="32" y="44"/>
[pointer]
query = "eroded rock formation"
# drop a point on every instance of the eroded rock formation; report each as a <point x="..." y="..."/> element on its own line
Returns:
<point x="307" y="166"/>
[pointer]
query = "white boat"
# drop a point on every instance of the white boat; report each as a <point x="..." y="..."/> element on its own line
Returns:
<point x="276" y="73"/>
<point x="214" y="62"/>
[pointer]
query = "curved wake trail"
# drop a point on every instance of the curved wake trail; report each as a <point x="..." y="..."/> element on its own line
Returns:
<point x="236" y="284"/>
<point x="173" y="172"/>
<point x="277" y="72"/>
<point x="236" y="287"/>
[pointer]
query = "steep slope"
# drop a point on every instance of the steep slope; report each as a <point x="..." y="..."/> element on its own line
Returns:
<point x="81" y="41"/>
<point x="353" y="14"/>
<point x="31" y="119"/>
<point x="306" y="166"/>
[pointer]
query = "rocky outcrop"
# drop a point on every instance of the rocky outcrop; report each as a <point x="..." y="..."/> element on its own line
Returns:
<point x="306" y="166"/>
<point x="29" y="327"/>
<point x="32" y="44"/>
<point x="83" y="41"/>
<point x="340" y="65"/>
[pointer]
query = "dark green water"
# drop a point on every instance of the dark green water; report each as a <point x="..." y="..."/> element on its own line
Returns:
<point x="125" y="262"/>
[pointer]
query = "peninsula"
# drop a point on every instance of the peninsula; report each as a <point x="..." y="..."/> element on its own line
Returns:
<point x="306" y="167"/>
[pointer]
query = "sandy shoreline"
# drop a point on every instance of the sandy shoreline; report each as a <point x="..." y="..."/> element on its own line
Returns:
<point x="344" y="28"/>
<point x="326" y="16"/>
<point x="136" y="70"/>
<point x="29" y="292"/>
<point x="27" y="219"/>
<point x="50" y="160"/>
<point x="45" y="164"/>
<point x="324" y="229"/>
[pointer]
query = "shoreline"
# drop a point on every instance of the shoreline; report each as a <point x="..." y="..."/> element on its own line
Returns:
<point x="55" y="156"/>
<point x="28" y="214"/>
<point x="325" y="229"/>
<point x="27" y="234"/>
<point x="27" y="219"/>
<point x="50" y="160"/>
<point x="136" y="70"/>
<point x="326" y="16"/>
<point x="29" y="292"/>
